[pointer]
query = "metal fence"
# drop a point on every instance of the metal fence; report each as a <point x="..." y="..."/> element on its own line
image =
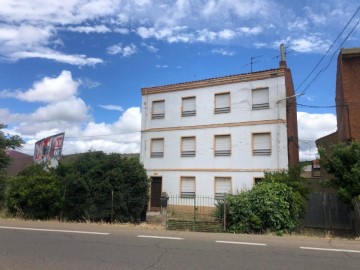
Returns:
<point x="195" y="213"/>
<point x="326" y="211"/>
<point x="357" y="217"/>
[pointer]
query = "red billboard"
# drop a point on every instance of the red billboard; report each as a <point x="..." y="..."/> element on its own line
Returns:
<point x="48" y="150"/>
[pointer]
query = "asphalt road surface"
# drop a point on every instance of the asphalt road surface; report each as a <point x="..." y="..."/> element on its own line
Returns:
<point x="53" y="245"/>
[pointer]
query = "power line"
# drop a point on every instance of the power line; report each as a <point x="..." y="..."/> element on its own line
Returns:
<point x="318" y="107"/>
<point x="322" y="58"/>
<point x="98" y="136"/>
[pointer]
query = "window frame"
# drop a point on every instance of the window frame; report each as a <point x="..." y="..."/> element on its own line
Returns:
<point x="222" y="153"/>
<point x="260" y="106"/>
<point x="188" y="113"/>
<point x="261" y="152"/>
<point x="220" y="110"/>
<point x="187" y="153"/>
<point x="187" y="194"/>
<point x="221" y="195"/>
<point x="157" y="115"/>
<point x="157" y="154"/>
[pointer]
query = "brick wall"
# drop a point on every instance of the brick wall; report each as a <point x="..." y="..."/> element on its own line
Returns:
<point x="348" y="95"/>
<point x="291" y="117"/>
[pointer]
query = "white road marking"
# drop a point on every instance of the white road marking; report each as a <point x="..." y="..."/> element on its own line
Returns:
<point x="332" y="249"/>
<point x="49" y="230"/>
<point x="160" y="237"/>
<point x="241" y="243"/>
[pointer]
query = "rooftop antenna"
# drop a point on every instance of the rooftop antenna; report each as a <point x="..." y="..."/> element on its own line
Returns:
<point x="253" y="62"/>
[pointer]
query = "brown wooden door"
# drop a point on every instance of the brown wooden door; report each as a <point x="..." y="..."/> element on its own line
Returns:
<point x="156" y="183"/>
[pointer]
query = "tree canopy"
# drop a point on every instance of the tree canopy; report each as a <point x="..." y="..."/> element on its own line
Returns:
<point x="343" y="161"/>
<point x="7" y="142"/>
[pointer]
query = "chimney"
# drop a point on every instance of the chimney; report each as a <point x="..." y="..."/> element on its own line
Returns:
<point x="282" y="62"/>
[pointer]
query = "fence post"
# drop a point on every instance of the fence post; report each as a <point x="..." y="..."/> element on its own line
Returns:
<point x="163" y="204"/>
<point x="225" y="213"/>
<point x="194" y="220"/>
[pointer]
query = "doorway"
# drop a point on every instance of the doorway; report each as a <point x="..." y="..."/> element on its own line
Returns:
<point x="155" y="194"/>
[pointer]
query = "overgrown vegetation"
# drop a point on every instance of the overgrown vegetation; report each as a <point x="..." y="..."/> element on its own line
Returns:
<point x="93" y="187"/>
<point x="343" y="161"/>
<point x="6" y="142"/>
<point x="276" y="204"/>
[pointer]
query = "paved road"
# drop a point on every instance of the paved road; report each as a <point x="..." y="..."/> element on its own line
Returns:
<point x="52" y="245"/>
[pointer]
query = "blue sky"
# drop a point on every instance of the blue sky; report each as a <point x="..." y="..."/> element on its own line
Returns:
<point x="78" y="65"/>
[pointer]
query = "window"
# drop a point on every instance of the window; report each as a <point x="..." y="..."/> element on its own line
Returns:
<point x="260" y="98"/>
<point x="257" y="180"/>
<point x="222" y="145"/>
<point x="188" y="106"/>
<point x="158" y="109"/>
<point x="157" y="148"/>
<point x="261" y="144"/>
<point x="222" y="103"/>
<point x="222" y="187"/>
<point x="187" y="187"/>
<point x="315" y="170"/>
<point x="188" y="146"/>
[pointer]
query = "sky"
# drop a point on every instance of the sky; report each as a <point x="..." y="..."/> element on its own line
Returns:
<point x="77" y="66"/>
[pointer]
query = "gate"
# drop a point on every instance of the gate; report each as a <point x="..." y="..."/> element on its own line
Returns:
<point x="326" y="211"/>
<point x="193" y="213"/>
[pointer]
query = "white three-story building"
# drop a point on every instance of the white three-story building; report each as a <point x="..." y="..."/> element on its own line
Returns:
<point x="218" y="135"/>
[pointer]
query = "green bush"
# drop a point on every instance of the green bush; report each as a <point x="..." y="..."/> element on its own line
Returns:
<point x="267" y="207"/>
<point x="33" y="194"/>
<point x="276" y="204"/>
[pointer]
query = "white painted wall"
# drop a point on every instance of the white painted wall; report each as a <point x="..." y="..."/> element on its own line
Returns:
<point x="242" y="166"/>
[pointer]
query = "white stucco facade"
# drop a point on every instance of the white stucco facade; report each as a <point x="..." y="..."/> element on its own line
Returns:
<point x="238" y="125"/>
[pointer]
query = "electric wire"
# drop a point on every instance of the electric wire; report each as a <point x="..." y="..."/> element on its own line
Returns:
<point x="323" y="57"/>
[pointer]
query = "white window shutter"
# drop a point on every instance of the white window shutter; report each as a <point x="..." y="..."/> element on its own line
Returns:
<point x="222" y="103"/>
<point x="222" y="145"/>
<point x="222" y="187"/>
<point x="260" y="98"/>
<point x="158" y="109"/>
<point x="262" y="144"/>
<point x="188" y="187"/>
<point x="157" y="148"/>
<point x="188" y="106"/>
<point x="188" y="146"/>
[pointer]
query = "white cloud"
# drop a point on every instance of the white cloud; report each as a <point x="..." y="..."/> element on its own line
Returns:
<point x="123" y="51"/>
<point x="60" y="111"/>
<point x="251" y="31"/>
<point x="72" y="59"/>
<point x="112" y="107"/>
<point x="150" y="48"/>
<point x="88" y="83"/>
<point x="312" y="127"/>
<point x="122" y="136"/>
<point x="51" y="89"/>
<point x="224" y="52"/>
<point x="161" y="66"/>
<point x="123" y="31"/>
<point x="89" y="29"/>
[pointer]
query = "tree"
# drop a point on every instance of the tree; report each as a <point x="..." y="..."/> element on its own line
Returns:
<point x="100" y="187"/>
<point x="343" y="161"/>
<point x="6" y="142"/>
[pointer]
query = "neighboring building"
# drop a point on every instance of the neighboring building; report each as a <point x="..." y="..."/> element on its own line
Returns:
<point x="347" y="102"/>
<point x="348" y="95"/>
<point x="219" y="135"/>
